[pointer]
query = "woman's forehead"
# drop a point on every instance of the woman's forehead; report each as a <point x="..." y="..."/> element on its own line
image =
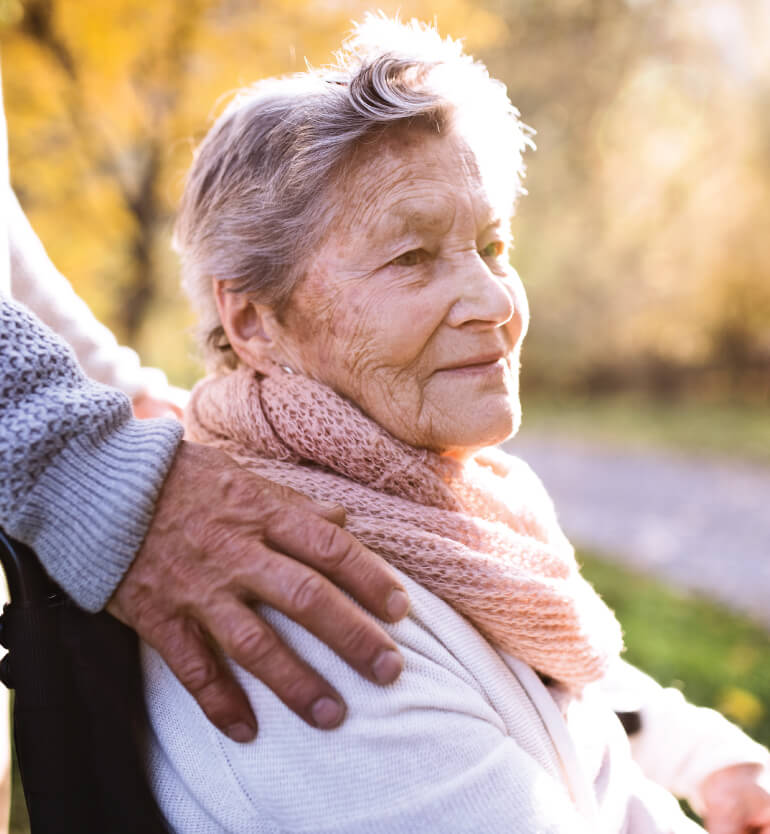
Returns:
<point x="416" y="180"/>
<point x="432" y="213"/>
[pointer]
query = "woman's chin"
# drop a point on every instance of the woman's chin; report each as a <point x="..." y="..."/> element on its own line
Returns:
<point x="487" y="427"/>
<point x="500" y="419"/>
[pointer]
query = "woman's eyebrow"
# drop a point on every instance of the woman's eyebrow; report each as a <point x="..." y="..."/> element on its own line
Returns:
<point x="389" y="227"/>
<point x="404" y="220"/>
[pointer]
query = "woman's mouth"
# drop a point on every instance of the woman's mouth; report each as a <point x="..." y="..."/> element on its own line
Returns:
<point x="494" y="365"/>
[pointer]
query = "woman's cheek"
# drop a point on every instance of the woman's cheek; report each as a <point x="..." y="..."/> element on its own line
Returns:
<point x="395" y="325"/>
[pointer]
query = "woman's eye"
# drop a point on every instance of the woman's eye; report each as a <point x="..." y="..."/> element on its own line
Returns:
<point x="493" y="250"/>
<point x="413" y="257"/>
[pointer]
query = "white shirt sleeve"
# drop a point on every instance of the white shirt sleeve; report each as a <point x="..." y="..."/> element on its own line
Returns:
<point x="5" y="263"/>
<point x="679" y="744"/>
<point x="35" y="282"/>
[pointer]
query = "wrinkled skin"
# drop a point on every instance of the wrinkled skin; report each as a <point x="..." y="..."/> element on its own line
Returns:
<point x="409" y="308"/>
<point x="223" y="539"/>
<point x="737" y="800"/>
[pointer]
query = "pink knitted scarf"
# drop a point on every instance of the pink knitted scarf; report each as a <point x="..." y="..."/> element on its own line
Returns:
<point x="481" y="534"/>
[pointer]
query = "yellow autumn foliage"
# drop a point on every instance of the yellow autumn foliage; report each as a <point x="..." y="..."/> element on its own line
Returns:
<point x="642" y="239"/>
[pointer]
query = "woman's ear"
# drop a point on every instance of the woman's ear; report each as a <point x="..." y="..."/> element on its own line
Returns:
<point x="252" y="329"/>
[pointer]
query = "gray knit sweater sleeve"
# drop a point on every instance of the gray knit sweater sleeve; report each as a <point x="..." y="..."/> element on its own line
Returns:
<point x="78" y="475"/>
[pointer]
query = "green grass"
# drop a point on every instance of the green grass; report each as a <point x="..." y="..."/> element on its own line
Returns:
<point x="717" y="658"/>
<point x="700" y="427"/>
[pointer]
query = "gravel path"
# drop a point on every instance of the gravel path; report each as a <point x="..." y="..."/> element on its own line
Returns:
<point x="701" y="524"/>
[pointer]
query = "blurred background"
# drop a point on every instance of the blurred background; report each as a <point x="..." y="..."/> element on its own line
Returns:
<point x="643" y="241"/>
<point x="643" y="244"/>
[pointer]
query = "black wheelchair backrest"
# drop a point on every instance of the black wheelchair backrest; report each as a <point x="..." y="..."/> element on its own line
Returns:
<point x="80" y="725"/>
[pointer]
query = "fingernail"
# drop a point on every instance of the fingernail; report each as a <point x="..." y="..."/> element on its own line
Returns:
<point x="241" y="732"/>
<point x="397" y="604"/>
<point x="388" y="666"/>
<point x="327" y="712"/>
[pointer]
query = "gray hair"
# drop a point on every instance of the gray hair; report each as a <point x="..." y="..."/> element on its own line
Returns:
<point x="258" y="199"/>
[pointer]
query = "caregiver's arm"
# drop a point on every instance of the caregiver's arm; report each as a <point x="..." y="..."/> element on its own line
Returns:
<point x="36" y="282"/>
<point x="87" y="487"/>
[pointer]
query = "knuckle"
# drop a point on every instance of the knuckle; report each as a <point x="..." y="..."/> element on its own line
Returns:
<point x="174" y="638"/>
<point x="241" y="491"/>
<point x="279" y="518"/>
<point x="252" y="646"/>
<point x="361" y="639"/>
<point x="300" y="689"/>
<point x="334" y="546"/>
<point x="198" y="672"/>
<point x="308" y="594"/>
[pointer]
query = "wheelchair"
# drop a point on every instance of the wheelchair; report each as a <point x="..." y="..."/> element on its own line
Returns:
<point x="79" y="720"/>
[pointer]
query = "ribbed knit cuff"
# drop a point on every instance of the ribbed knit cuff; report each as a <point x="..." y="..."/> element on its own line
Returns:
<point x="90" y="509"/>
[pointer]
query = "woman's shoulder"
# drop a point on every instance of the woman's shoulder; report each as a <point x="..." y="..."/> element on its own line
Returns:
<point x="449" y="720"/>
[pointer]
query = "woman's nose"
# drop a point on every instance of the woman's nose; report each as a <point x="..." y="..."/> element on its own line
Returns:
<point x="485" y="297"/>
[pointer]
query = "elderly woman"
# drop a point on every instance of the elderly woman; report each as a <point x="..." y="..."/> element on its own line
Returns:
<point x="345" y="236"/>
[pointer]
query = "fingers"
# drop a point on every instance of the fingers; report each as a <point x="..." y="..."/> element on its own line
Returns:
<point x="255" y="646"/>
<point x="721" y="827"/>
<point x="334" y="552"/>
<point x="331" y="512"/>
<point x="290" y="500"/>
<point x="206" y="677"/>
<point x="212" y="548"/>
<point x="318" y="605"/>
<point x="737" y="822"/>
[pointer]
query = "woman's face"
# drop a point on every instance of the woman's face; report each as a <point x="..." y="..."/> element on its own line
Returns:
<point x="410" y="307"/>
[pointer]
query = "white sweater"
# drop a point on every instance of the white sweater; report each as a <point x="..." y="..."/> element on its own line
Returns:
<point x="464" y="741"/>
<point x="36" y="282"/>
<point x="5" y="187"/>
